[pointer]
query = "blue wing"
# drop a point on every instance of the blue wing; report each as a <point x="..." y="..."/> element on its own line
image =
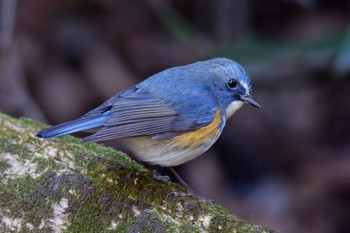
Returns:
<point x="136" y="112"/>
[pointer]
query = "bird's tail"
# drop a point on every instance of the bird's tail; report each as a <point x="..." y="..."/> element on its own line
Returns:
<point x="80" y="124"/>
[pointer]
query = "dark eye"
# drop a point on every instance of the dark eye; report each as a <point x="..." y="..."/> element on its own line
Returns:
<point x="232" y="83"/>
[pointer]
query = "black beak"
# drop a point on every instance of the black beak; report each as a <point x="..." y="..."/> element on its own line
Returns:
<point x="249" y="99"/>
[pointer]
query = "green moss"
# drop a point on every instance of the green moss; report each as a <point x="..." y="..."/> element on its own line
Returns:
<point x="146" y="222"/>
<point x="32" y="197"/>
<point x="106" y="191"/>
<point x="34" y="125"/>
<point x="45" y="164"/>
<point x="3" y="166"/>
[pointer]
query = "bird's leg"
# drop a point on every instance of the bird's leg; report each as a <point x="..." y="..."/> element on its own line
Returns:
<point x="178" y="177"/>
<point x="190" y="192"/>
<point x="156" y="175"/>
<point x="153" y="171"/>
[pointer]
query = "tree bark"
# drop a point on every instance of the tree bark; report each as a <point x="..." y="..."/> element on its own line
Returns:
<point x="60" y="185"/>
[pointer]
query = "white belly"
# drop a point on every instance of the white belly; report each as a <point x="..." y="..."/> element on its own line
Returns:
<point x="165" y="152"/>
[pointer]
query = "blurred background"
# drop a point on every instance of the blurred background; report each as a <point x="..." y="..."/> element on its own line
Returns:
<point x="286" y="166"/>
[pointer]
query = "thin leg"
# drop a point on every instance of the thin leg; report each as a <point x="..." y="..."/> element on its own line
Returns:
<point x="190" y="192"/>
<point x="178" y="177"/>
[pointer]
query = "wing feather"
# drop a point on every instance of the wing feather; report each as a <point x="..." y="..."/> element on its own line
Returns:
<point x="135" y="112"/>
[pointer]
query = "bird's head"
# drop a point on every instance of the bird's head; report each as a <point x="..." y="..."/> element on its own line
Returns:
<point x="232" y="85"/>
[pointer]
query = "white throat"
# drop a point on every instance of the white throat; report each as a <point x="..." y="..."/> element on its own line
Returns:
<point x="233" y="107"/>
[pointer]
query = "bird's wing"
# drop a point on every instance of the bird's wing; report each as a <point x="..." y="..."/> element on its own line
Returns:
<point x="135" y="112"/>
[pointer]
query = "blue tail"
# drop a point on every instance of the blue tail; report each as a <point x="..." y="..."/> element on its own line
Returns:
<point x="80" y="124"/>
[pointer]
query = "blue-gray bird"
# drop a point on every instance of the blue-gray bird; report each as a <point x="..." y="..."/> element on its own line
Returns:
<point x="171" y="117"/>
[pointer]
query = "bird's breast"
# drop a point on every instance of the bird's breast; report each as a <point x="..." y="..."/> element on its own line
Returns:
<point x="179" y="149"/>
<point x="200" y="136"/>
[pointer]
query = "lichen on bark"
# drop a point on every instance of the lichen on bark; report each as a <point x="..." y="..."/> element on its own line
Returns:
<point x="60" y="185"/>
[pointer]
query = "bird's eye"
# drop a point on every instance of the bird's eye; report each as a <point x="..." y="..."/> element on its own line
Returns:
<point x="232" y="83"/>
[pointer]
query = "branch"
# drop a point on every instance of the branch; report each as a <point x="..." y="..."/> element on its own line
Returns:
<point x="62" y="186"/>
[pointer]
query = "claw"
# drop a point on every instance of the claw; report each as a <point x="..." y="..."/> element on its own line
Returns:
<point x="160" y="177"/>
<point x="189" y="194"/>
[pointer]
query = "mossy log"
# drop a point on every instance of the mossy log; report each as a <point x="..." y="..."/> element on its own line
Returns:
<point x="60" y="185"/>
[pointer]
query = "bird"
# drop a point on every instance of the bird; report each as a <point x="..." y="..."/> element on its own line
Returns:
<point x="171" y="117"/>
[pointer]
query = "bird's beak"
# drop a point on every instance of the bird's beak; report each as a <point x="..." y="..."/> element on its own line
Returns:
<point x="249" y="99"/>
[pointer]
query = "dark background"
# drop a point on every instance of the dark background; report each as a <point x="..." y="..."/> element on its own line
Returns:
<point x="286" y="166"/>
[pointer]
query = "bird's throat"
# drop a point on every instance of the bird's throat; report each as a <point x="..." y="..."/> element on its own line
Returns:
<point x="233" y="107"/>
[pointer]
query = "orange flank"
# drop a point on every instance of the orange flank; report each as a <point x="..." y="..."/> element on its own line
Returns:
<point x="198" y="137"/>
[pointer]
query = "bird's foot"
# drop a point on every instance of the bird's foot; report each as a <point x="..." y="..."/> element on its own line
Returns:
<point x="190" y="194"/>
<point x="207" y="200"/>
<point x="156" y="175"/>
